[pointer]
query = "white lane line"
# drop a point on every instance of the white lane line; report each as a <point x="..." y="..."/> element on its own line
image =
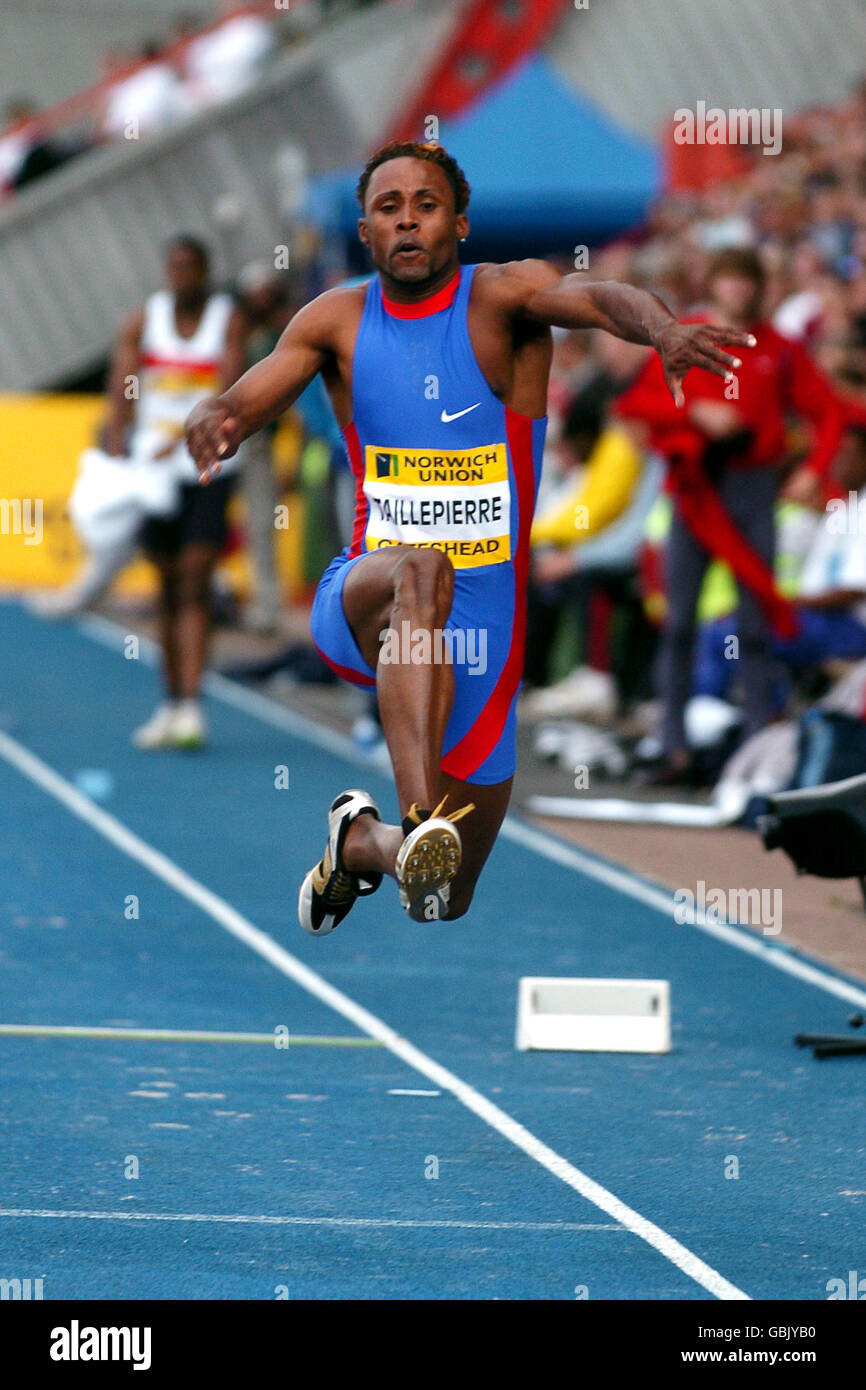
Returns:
<point x="45" y="1030"/>
<point x="622" y="882"/>
<point x="243" y="930"/>
<point x="779" y="957"/>
<point x="405" y="1091"/>
<point x="369" y="1222"/>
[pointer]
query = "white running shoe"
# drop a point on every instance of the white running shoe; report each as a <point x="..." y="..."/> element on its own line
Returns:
<point x="173" y="725"/>
<point x="188" y="729"/>
<point x="584" y="694"/>
<point x="156" y="733"/>
<point x="330" y="890"/>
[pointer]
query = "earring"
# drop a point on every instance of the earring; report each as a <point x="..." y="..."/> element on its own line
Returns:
<point x="463" y="238"/>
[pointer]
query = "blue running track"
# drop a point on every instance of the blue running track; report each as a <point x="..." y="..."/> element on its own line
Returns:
<point x="215" y="1170"/>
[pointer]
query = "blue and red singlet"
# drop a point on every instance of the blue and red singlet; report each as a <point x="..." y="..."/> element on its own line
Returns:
<point x="440" y="462"/>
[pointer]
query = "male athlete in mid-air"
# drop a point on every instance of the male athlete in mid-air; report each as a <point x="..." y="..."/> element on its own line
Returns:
<point x="437" y="374"/>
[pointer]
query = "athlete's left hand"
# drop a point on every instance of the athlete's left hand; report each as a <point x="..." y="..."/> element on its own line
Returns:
<point x="685" y="345"/>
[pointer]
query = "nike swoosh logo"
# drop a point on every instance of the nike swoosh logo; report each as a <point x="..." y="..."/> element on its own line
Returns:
<point x="446" y="418"/>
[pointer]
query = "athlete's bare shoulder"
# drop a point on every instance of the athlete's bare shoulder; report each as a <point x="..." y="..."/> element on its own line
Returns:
<point x="509" y="285"/>
<point x="323" y="322"/>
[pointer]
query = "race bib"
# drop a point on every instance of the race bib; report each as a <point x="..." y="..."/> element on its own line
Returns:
<point x="458" y="502"/>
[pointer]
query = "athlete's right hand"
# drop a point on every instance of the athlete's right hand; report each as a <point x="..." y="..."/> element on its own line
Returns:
<point x="212" y="435"/>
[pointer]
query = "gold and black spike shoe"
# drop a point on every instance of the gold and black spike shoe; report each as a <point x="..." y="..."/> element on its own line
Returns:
<point x="428" y="860"/>
<point x="330" y="890"/>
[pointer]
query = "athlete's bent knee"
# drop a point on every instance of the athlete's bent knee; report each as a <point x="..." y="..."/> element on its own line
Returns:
<point x="424" y="583"/>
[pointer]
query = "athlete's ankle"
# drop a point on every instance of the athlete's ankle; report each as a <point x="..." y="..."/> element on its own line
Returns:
<point x="368" y="846"/>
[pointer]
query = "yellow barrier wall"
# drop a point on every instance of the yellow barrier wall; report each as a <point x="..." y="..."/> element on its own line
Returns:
<point x="41" y="438"/>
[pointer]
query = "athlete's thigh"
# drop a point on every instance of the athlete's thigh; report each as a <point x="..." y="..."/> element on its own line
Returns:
<point x="368" y="593"/>
<point x="478" y="830"/>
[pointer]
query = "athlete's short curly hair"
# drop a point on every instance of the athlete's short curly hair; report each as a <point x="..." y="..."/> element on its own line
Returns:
<point x="414" y="149"/>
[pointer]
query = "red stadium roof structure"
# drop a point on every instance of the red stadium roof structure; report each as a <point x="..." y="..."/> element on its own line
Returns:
<point x="489" y="38"/>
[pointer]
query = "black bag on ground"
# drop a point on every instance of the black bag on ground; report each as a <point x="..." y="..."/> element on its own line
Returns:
<point x="821" y="823"/>
<point x="832" y="746"/>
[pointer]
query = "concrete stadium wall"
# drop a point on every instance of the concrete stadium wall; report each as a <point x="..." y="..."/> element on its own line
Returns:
<point x="51" y="48"/>
<point x="82" y="248"/>
<point x="642" y="59"/>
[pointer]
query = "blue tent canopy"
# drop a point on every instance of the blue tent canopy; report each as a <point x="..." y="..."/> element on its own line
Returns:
<point x="545" y="166"/>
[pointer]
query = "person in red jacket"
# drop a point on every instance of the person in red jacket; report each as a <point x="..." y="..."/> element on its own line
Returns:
<point x="724" y="444"/>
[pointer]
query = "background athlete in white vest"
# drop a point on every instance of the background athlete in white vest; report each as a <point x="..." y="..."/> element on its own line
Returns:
<point x="185" y="343"/>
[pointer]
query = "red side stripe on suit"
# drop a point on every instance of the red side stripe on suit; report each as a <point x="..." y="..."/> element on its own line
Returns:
<point x="346" y="672"/>
<point x="478" y="741"/>
<point x="356" y="459"/>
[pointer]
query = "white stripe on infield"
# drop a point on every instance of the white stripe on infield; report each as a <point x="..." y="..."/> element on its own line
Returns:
<point x="780" y="957"/>
<point x="404" y="1091"/>
<point x="238" y="926"/>
<point x="371" y="1222"/>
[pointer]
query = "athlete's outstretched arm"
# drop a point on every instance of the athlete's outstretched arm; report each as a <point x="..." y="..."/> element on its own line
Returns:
<point x="568" y="301"/>
<point x="219" y="424"/>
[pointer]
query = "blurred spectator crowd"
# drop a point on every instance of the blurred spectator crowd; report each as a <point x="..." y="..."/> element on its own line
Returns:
<point x="138" y="93"/>
<point x="795" y="226"/>
<point x="804" y="211"/>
